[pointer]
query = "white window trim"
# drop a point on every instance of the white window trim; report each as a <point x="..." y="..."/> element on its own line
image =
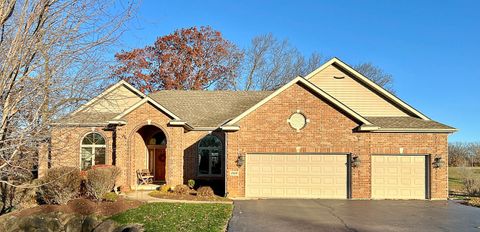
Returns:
<point x="93" y="146"/>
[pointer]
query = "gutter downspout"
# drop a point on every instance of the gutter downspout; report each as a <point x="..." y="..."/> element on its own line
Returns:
<point x="114" y="145"/>
<point x="226" y="162"/>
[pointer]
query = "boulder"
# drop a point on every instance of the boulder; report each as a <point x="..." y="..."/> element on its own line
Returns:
<point x="74" y="224"/>
<point x="130" y="228"/>
<point x="40" y="223"/>
<point x="106" y="226"/>
<point x="89" y="224"/>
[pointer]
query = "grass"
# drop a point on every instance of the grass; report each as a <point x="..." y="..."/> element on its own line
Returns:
<point x="178" y="216"/>
<point x="455" y="178"/>
<point x="188" y="197"/>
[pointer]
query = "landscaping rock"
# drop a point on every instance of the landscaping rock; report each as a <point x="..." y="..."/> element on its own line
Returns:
<point x="89" y="224"/>
<point x="63" y="222"/>
<point x="40" y="223"/>
<point x="106" y="226"/>
<point x="74" y="224"/>
<point x="130" y="228"/>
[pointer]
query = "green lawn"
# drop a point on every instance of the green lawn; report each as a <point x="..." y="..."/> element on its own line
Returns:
<point x="178" y="216"/>
<point x="455" y="177"/>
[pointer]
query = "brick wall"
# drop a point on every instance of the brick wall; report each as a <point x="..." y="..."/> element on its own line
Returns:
<point x="65" y="145"/>
<point x="329" y="131"/>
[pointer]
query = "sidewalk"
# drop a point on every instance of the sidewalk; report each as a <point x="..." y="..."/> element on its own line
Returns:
<point x="143" y="196"/>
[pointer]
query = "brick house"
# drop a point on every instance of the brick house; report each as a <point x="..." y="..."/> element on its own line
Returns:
<point x="332" y="134"/>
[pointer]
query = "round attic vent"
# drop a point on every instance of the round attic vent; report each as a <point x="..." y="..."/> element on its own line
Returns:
<point x="297" y="121"/>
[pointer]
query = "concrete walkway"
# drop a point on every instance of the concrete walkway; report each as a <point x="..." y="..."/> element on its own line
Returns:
<point x="143" y="196"/>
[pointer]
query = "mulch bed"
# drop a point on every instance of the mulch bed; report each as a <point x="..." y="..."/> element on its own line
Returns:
<point x="84" y="207"/>
<point x="187" y="197"/>
<point x="472" y="201"/>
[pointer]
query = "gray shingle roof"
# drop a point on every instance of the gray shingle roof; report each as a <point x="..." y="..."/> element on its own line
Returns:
<point x="406" y="123"/>
<point x="83" y="117"/>
<point x="202" y="108"/>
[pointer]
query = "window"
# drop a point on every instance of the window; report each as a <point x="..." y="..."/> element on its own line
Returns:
<point x="92" y="150"/>
<point x="210" y="156"/>
<point x="157" y="139"/>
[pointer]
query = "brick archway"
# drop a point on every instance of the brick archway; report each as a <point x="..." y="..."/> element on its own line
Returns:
<point x="146" y="153"/>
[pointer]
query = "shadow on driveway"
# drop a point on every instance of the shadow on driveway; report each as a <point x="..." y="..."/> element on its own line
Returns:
<point x="353" y="215"/>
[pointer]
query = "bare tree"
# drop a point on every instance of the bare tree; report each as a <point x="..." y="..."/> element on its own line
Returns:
<point x="51" y="59"/>
<point x="377" y="75"/>
<point x="464" y="154"/>
<point x="269" y="63"/>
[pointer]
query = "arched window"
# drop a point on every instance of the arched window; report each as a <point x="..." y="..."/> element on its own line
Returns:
<point x="157" y="139"/>
<point x="92" y="150"/>
<point x="210" y="156"/>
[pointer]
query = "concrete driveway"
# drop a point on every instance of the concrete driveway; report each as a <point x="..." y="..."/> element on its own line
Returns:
<point x="353" y="215"/>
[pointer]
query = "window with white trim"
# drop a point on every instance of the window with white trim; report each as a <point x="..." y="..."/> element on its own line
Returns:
<point x="92" y="150"/>
<point x="210" y="156"/>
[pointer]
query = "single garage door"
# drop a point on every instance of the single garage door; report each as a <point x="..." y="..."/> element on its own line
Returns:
<point x="296" y="176"/>
<point x="398" y="177"/>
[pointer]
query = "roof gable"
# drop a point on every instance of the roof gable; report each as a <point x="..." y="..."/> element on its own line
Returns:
<point x="115" y="99"/>
<point x="313" y="88"/>
<point x="366" y="97"/>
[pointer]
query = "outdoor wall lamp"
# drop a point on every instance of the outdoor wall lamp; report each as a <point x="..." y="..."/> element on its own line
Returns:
<point x="437" y="162"/>
<point x="240" y="160"/>
<point x="356" y="161"/>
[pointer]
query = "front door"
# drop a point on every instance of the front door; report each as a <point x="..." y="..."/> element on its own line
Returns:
<point x="157" y="162"/>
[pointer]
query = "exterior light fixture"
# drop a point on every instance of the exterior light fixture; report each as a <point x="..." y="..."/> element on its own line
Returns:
<point x="356" y="161"/>
<point x="438" y="162"/>
<point x="240" y="160"/>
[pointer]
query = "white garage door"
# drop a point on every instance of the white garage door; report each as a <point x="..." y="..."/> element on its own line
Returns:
<point x="296" y="176"/>
<point x="398" y="177"/>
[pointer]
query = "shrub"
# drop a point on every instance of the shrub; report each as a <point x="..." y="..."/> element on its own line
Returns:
<point x="471" y="183"/>
<point x="111" y="196"/>
<point x="472" y="186"/>
<point x="191" y="183"/>
<point x="181" y="189"/>
<point x="101" y="181"/>
<point x="164" y="188"/>
<point x="60" y="185"/>
<point x="205" y="191"/>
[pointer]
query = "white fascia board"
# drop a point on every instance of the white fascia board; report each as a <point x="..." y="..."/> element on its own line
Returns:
<point x="75" y="124"/>
<point x="414" y="130"/>
<point x="145" y="100"/>
<point x="230" y="128"/>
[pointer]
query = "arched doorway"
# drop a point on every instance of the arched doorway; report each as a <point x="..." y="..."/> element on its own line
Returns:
<point x="150" y="152"/>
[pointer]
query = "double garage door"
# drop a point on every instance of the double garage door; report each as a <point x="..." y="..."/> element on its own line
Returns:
<point x="328" y="176"/>
<point x="296" y="176"/>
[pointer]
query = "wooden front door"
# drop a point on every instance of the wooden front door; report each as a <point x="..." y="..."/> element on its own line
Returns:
<point x="157" y="161"/>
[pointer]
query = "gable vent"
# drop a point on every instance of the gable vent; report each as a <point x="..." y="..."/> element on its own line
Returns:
<point x="338" y="77"/>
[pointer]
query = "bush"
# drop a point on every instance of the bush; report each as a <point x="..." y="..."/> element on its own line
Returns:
<point x="164" y="188"/>
<point x="205" y="191"/>
<point x="111" y="196"/>
<point x="191" y="183"/>
<point x="60" y="185"/>
<point x="472" y="186"/>
<point x="471" y="183"/>
<point x="101" y="181"/>
<point x="181" y="189"/>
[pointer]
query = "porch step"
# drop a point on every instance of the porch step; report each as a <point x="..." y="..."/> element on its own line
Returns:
<point x="144" y="187"/>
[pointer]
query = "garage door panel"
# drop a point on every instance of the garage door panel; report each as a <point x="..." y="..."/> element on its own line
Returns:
<point x="297" y="176"/>
<point x="398" y="177"/>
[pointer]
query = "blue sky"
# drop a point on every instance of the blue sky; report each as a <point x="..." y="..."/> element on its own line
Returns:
<point x="430" y="47"/>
